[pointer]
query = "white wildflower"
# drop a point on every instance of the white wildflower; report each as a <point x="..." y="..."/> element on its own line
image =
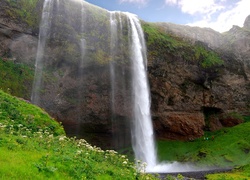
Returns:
<point x="78" y="152"/>
<point x="51" y="136"/>
<point x="62" y="138"/>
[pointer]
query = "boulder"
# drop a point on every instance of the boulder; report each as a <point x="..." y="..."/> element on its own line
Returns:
<point x="228" y="120"/>
<point x="179" y="125"/>
<point x="219" y="121"/>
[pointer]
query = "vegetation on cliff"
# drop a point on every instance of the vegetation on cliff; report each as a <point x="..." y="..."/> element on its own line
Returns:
<point x="161" y="45"/>
<point x="34" y="146"/>
<point x="24" y="10"/>
<point x="16" y="78"/>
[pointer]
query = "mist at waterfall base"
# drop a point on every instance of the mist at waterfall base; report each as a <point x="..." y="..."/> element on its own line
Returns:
<point x="125" y="51"/>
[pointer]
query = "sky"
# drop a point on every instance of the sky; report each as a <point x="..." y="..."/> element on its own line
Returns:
<point x="219" y="15"/>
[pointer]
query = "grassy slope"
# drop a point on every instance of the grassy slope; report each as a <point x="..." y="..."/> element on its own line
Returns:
<point x="34" y="146"/>
<point x="229" y="147"/>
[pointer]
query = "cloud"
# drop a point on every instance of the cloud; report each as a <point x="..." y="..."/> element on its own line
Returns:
<point x="139" y="2"/>
<point x="196" y="6"/>
<point x="225" y="19"/>
<point x="171" y="2"/>
<point x="216" y="14"/>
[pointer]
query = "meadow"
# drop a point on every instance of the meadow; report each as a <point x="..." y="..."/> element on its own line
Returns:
<point x="34" y="146"/>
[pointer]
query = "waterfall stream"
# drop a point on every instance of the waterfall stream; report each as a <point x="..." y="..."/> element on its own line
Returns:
<point x="44" y="32"/>
<point x="142" y="130"/>
<point x="127" y="62"/>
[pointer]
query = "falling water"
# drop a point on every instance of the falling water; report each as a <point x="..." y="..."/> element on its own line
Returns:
<point x="44" y="32"/>
<point x="142" y="132"/>
<point x="113" y="40"/>
<point x="82" y="40"/>
<point x="120" y="125"/>
<point x="113" y="43"/>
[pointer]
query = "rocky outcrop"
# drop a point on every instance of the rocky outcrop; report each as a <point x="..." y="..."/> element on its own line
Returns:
<point x="247" y="23"/>
<point x="216" y="122"/>
<point x="179" y="125"/>
<point x="192" y="34"/>
<point x="16" y="37"/>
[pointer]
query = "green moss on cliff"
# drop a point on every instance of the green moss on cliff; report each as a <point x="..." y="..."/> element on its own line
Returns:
<point x="207" y="58"/>
<point x="24" y="10"/>
<point x="16" y="78"/>
<point x="162" y="45"/>
<point x="159" y="43"/>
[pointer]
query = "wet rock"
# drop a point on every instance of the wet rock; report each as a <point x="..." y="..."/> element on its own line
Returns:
<point x="179" y="125"/>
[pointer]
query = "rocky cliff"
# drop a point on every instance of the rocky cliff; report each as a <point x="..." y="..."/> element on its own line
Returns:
<point x="193" y="72"/>
<point x="180" y="85"/>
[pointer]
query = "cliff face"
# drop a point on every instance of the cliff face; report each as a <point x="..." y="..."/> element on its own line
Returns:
<point x="192" y="71"/>
<point x="179" y="84"/>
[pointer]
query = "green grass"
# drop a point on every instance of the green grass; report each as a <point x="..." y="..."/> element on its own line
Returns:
<point x="16" y="78"/>
<point x="21" y="113"/>
<point x="228" y="147"/>
<point x="240" y="173"/>
<point x="34" y="146"/>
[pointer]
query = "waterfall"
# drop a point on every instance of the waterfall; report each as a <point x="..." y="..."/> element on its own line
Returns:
<point x="120" y="125"/>
<point x="82" y="40"/>
<point x="44" y="32"/>
<point x="113" y="40"/>
<point x="74" y="52"/>
<point x="142" y="131"/>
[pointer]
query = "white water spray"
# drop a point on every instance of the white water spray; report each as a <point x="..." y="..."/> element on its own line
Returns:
<point x="120" y="125"/>
<point x="44" y="32"/>
<point x="113" y="40"/>
<point x="82" y="40"/>
<point x="142" y="132"/>
<point x="113" y="43"/>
